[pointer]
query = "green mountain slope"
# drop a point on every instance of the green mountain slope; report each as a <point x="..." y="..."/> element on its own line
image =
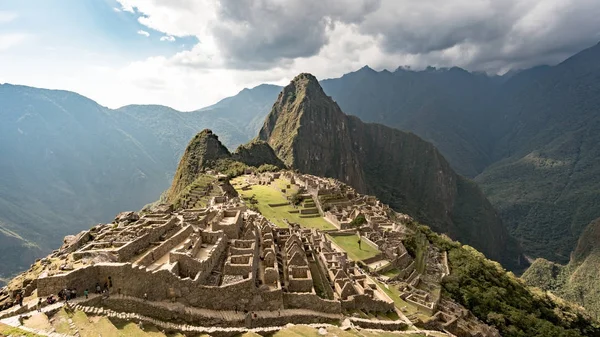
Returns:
<point x="446" y="107"/>
<point x="66" y="165"/>
<point x="309" y="132"/>
<point x="206" y="152"/>
<point x="578" y="280"/>
<point x="546" y="187"/>
<point x="69" y="163"/>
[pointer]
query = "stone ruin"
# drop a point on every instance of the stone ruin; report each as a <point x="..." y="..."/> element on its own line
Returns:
<point x="225" y="258"/>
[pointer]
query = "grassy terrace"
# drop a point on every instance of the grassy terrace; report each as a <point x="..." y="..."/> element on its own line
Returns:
<point x="405" y="307"/>
<point x="349" y="243"/>
<point x="272" y="194"/>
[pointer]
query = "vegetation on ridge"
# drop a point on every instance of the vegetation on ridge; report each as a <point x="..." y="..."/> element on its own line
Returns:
<point x="499" y="298"/>
<point x="578" y="281"/>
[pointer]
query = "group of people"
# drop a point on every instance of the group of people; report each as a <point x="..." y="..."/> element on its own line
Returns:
<point x="67" y="294"/>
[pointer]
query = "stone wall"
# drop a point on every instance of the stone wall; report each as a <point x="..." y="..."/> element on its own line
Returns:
<point x="375" y="258"/>
<point x="127" y="251"/>
<point x="211" y="237"/>
<point x="311" y="301"/>
<point x="380" y="325"/>
<point x="196" y="269"/>
<point x="367" y="303"/>
<point x="239" y="264"/>
<point x="163" y="285"/>
<point x="166" y="246"/>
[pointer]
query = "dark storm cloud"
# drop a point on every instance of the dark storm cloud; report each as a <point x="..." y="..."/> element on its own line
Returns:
<point x="258" y="34"/>
<point x="476" y="34"/>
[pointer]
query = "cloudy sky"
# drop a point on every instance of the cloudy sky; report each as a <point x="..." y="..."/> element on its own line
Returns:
<point x="190" y="53"/>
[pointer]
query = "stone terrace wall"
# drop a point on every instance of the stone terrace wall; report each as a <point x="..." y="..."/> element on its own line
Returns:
<point x="135" y="281"/>
<point x="312" y="302"/>
<point x="165" y="314"/>
<point x="366" y="303"/>
<point x="196" y="269"/>
<point x="211" y="237"/>
<point x="166" y="246"/>
<point x="132" y="248"/>
<point x="381" y="325"/>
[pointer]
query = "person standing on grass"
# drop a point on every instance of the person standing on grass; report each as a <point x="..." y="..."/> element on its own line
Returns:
<point x="359" y="242"/>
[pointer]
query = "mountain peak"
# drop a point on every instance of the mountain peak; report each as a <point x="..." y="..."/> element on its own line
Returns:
<point x="301" y="104"/>
<point x="203" y="151"/>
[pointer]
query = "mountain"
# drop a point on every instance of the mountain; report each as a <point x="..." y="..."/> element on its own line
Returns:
<point x="309" y="132"/>
<point x="528" y="138"/>
<point x="578" y="280"/>
<point x="545" y="184"/>
<point x="485" y="289"/>
<point x="206" y="152"/>
<point x="68" y="163"/>
<point x="444" y="106"/>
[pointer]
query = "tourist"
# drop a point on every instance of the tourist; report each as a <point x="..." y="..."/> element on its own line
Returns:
<point x="145" y="296"/>
<point x="119" y="292"/>
<point x="18" y="299"/>
<point x="98" y="289"/>
<point x="86" y="293"/>
<point x="359" y="242"/>
<point x="39" y="305"/>
<point x="73" y="293"/>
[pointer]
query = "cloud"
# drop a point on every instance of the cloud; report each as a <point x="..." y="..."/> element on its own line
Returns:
<point x="479" y="35"/>
<point x="167" y="38"/>
<point x="117" y="9"/>
<point x="143" y="32"/>
<point x="6" y="16"/>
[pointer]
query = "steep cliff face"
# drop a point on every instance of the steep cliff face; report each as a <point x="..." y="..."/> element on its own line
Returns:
<point x="257" y="153"/>
<point x="203" y="151"/>
<point x="206" y="152"/>
<point x="309" y="132"/>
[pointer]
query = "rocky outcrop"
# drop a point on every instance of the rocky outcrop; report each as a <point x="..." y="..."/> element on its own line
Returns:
<point x="206" y="152"/>
<point x="257" y="153"/>
<point x="203" y="151"/>
<point x="309" y="132"/>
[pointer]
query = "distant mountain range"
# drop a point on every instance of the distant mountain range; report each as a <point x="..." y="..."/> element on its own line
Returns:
<point x="69" y="163"/>
<point x="528" y="140"/>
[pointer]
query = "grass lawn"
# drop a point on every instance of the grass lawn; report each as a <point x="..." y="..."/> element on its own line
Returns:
<point x="392" y="273"/>
<point x="349" y="243"/>
<point x="271" y="194"/>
